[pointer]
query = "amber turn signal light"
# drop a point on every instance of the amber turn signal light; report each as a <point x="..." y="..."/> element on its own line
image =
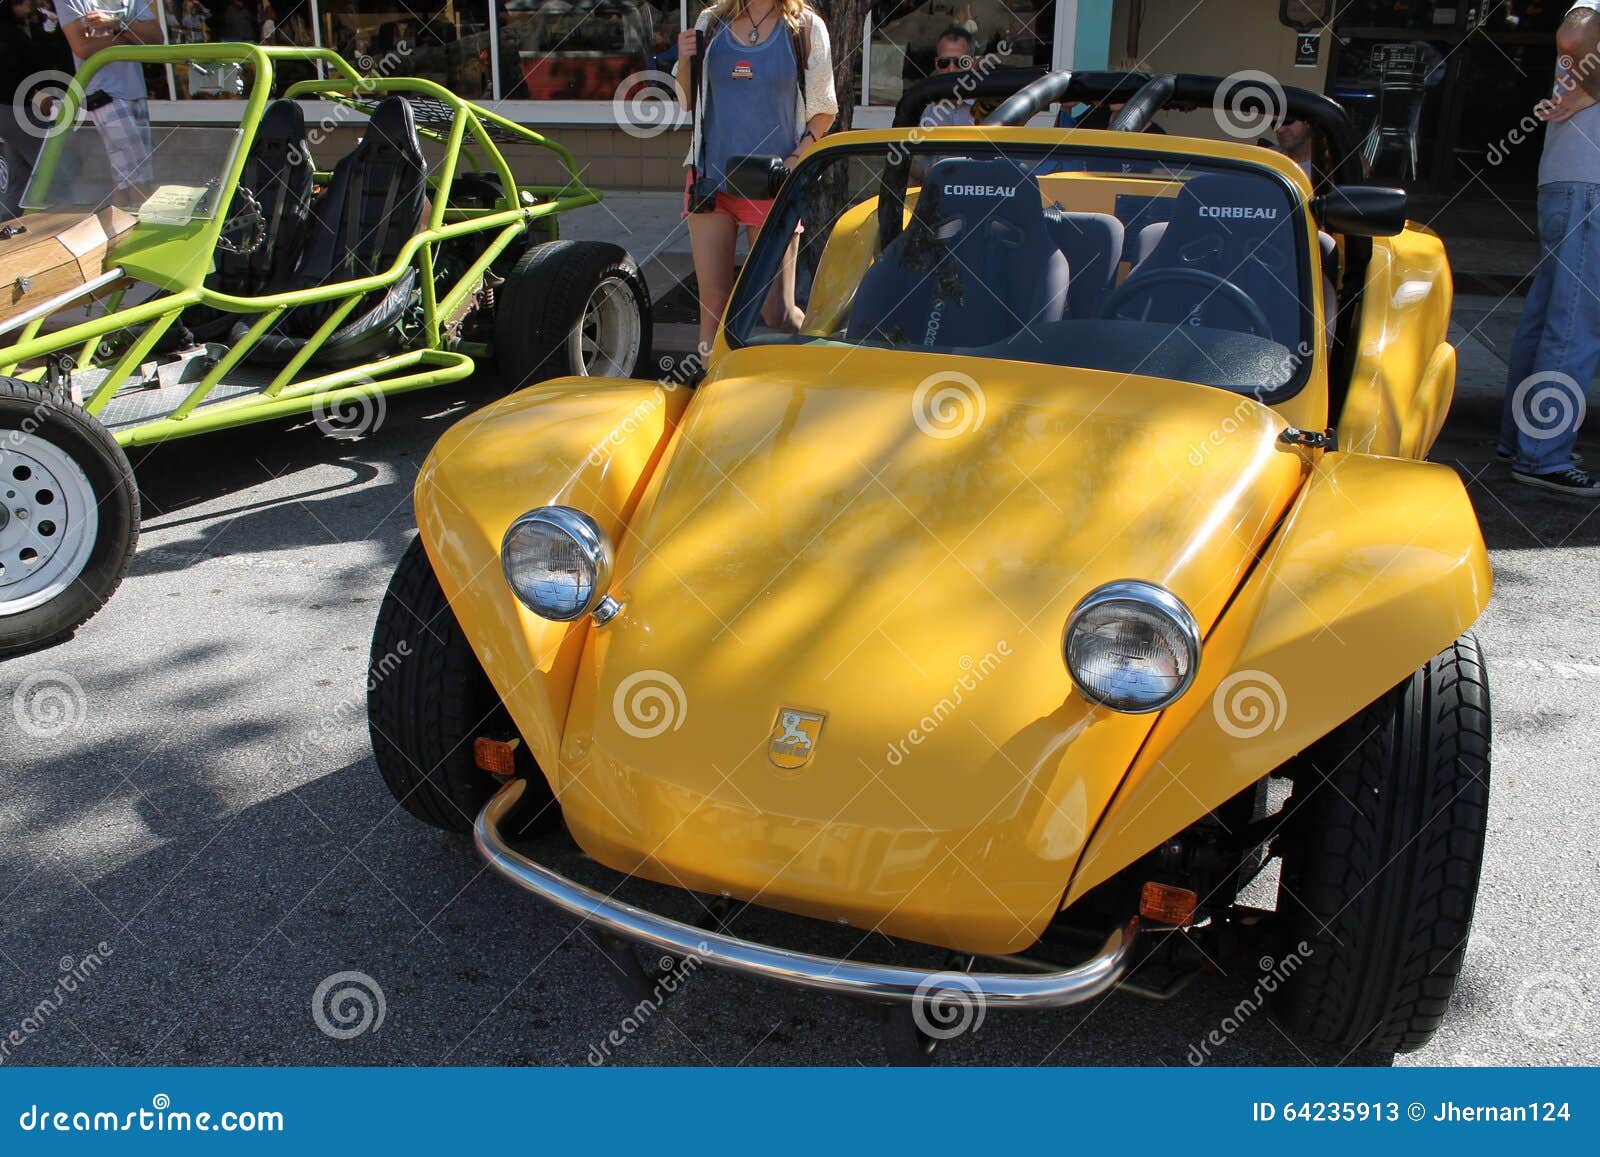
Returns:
<point x="496" y="756"/>
<point x="1167" y="904"/>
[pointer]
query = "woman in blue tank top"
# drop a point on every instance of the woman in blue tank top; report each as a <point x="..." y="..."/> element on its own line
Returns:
<point x="766" y="89"/>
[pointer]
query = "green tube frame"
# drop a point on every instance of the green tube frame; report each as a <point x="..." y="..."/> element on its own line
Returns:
<point x="470" y="130"/>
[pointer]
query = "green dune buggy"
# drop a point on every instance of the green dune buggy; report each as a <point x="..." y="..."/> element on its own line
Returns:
<point x="231" y="280"/>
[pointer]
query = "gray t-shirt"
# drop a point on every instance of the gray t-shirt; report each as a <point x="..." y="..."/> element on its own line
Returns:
<point x="1572" y="147"/>
<point x="124" y="79"/>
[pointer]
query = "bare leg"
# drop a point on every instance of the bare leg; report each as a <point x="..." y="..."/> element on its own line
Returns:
<point x="712" y="237"/>
<point x="779" y="311"/>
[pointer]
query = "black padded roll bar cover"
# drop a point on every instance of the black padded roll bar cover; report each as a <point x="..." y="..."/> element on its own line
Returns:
<point x="1002" y="82"/>
<point x="1361" y="210"/>
<point x="1020" y="107"/>
<point x="1142" y="106"/>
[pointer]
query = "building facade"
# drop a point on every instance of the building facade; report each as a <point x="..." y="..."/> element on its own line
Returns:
<point x="1447" y="83"/>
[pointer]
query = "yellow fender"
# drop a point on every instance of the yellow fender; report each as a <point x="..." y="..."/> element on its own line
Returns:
<point x="1379" y="566"/>
<point x="590" y="443"/>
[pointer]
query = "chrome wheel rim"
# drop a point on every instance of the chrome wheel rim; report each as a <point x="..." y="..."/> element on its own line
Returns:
<point x="605" y="342"/>
<point x="48" y="521"/>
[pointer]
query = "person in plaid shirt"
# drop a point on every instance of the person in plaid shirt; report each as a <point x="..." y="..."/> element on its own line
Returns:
<point x="122" y="114"/>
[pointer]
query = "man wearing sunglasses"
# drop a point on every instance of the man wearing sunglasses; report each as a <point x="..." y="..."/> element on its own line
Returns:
<point x="956" y="52"/>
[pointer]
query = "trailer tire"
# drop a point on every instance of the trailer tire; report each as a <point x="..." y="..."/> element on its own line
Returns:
<point x="69" y="516"/>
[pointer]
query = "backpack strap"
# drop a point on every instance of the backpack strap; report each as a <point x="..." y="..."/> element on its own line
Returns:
<point x="800" y="40"/>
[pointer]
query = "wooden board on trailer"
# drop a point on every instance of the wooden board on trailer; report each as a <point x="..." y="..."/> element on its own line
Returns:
<point x="44" y="254"/>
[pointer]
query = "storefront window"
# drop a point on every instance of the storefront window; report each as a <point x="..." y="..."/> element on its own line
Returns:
<point x="905" y="37"/>
<point x="248" y="21"/>
<point x="582" y="50"/>
<point x="445" y="41"/>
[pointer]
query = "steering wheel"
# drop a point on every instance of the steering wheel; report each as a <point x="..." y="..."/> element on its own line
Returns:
<point x="1142" y="283"/>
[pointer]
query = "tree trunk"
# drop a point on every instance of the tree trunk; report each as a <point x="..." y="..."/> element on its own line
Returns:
<point x="844" y="19"/>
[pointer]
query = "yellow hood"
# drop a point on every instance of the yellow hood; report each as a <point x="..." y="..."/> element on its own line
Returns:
<point x="889" y="544"/>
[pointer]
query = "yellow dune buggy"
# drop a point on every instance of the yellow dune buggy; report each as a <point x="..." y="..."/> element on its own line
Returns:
<point x="1069" y="592"/>
<point x="227" y="279"/>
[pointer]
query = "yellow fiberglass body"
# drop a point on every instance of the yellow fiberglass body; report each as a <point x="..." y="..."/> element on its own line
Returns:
<point x="822" y="669"/>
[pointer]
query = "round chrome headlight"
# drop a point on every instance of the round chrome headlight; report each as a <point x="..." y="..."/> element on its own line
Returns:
<point x="1131" y="646"/>
<point x="558" y="561"/>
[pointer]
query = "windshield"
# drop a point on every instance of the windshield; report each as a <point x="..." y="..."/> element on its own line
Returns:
<point x="177" y="179"/>
<point x="1113" y="261"/>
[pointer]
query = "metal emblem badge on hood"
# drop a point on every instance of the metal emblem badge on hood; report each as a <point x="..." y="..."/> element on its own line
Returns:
<point x="795" y="732"/>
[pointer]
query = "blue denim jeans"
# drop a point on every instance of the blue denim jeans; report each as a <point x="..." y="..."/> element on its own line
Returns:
<point x="1558" y="340"/>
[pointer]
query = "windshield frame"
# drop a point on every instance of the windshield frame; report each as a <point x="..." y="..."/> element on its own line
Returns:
<point x="761" y="267"/>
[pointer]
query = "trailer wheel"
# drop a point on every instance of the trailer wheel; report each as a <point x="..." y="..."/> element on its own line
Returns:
<point x="69" y="516"/>
<point x="428" y="700"/>
<point x="1381" y="855"/>
<point x="572" y="308"/>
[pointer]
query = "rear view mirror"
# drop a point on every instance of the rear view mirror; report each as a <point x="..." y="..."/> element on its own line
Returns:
<point x="1361" y="210"/>
<point x="756" y="178"/>
<point x="213" y="79"/>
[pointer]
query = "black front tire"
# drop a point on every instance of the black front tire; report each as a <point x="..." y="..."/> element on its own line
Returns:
<point x="543" y="310"/>
<point x="428" y="699"/>
<point x="1382" y="851"/>
<point x="41" y="432"/>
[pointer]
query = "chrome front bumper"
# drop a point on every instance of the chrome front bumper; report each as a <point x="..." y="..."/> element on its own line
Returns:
<point x="888" y="982"/>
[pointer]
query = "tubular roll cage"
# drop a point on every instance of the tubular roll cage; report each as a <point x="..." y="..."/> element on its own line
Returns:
<point x="1028" y="91"/>
<point x="178" y="258"/>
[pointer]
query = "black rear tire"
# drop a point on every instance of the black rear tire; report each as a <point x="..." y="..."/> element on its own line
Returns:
<point x="41" y="434"/>
<point x="428" y="699"/>
<point x="545" y="299"/>
<point x="1382" y="852"/>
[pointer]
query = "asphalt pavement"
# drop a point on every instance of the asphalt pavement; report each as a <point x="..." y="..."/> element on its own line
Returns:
<point x="200" y="865"/>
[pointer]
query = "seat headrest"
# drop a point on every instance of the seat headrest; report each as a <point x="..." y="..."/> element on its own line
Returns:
<point x="959" y="194"/>
<point x="283" y="120"/>
<point x="392" y="129"/>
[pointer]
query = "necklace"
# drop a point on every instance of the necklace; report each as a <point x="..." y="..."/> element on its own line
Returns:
<point x="755" y="26"/>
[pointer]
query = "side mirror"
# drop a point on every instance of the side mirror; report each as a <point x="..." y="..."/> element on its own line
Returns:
<point x="756" y="178"/>
<point x="1361" y="210"/>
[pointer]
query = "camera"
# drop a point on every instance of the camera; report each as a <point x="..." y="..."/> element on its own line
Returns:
<point x="757" y="178"/>
<point x="702" y="194"/>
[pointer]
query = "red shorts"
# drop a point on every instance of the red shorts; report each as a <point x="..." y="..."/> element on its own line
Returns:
<point x="741" y="209"/>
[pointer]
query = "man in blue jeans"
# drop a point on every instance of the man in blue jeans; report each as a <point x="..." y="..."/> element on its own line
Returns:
<point x="1557" y="347"/>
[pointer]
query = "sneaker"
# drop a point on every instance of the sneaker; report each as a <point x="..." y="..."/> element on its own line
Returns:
<point x="1508" y="456"/>
<point x="1569" y="481"/>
